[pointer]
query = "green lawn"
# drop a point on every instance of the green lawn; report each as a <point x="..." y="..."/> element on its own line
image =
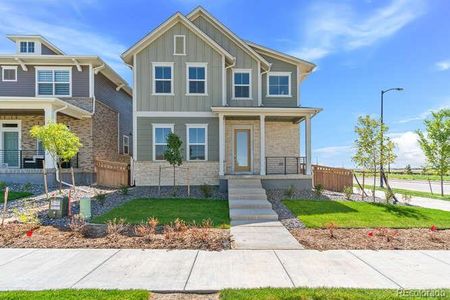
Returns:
<point x="326" y="293"/>
<point x="167" y="210"/>
<point x="76" y="295"/>
<point x="13" y="195"/>
<point x="412" y="193"/>
<point x="410" y="176"/>
<point x="348" y="214"/>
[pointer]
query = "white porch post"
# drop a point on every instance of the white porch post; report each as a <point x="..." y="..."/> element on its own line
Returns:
<point x="50" y="117"/>
<point x="262" y="151"/>
<point x="221" y="144"/>
<point x="308" y="144"/>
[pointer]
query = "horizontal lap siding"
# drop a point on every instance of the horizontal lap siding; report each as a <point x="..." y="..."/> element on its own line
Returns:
<point x="161" y="50"/>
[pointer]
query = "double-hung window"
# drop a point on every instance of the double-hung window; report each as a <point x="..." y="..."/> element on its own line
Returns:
<point x="163" y="78"/>
<point x="9" y="73"/>
<point x="279" y="84"/>
<point x="26" y="47"/>
<point x="197" y="141"/>
<point x="126" y="144"/>
<point x="196" y="74"/>
<point x="53" y="81"/>
<point x="242" y="84"/>
<point x="160" y="133"/>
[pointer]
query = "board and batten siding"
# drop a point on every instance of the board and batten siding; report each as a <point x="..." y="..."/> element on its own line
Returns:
<point x="161" y="50"/>
<point x="145" y="135"/>
<point x="25" y="86"/>
<point x="280" y="66"/>
<point x="243" y="61"/>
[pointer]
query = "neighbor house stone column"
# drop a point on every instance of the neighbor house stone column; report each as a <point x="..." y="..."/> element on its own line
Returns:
<point x="49" y="117"/>
<point x="221" y="144"/>
<point x="262" y="138"/>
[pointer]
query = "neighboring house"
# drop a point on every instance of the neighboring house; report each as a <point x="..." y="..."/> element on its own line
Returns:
<point x="235" y="105"/>
<point x="40" y="84"/>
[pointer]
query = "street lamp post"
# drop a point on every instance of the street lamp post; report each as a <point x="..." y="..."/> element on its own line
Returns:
<point x="382" y="135"/>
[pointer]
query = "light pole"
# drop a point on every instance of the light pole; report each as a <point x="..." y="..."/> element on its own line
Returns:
<point x="382" y="136"/>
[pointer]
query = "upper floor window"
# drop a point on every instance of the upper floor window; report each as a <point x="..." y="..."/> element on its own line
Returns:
<point x="179" y="45"/>
<point x="196" y="78"/>
<point x="197" y="140"/>
<point x="53" y="81"/>
<point x="126" y="144"/>
<point x="9" y="73"/>
<point x="160" y="133"/>
<point x="242" y="84"/>
<point x="163" y="78"/>
<point x="26" y="47"/>
<point x="279" y="84"/>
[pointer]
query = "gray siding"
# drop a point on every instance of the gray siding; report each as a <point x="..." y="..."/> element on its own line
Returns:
<point x="145" y="132"/>
<point x="161" y="50"/>
<point x="26" y="83"/>
<point x="243" y="61"/>
<point x="46" y="51"/>
<point x="280" y="66"/>
<point x="105" y="91"/>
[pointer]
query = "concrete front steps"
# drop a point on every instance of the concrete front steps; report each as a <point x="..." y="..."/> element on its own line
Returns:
<point x="254" y="224"/>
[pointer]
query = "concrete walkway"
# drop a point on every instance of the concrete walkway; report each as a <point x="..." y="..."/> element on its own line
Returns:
<point x="254" y="224"/>
<point x="204" y="271"/>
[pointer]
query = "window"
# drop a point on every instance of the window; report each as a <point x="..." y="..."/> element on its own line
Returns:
<point x="53" y="82"/>
<point x="40" y="148"/>
<point x="196" y="78"/>
<point x="179" y="45"/>
<point x="26" y="47"/>
<point x="160" y="133"/>
<point x="242" y="84"/>
<point x="126" y="144"/>
<point x="279" y="84"/>
<point x="197" y="141"/>
<point x="163" y="78"/>
<point x="9" y="73"/>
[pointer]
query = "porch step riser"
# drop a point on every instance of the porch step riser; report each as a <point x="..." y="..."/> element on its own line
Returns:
<point x="252" y="214"/>
<point x="248" y="198"/>
<point x="250" y="204"/>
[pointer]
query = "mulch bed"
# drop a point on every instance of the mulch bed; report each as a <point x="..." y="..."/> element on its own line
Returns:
<point x="373" y="239"/>
<point x="15" y="235"/>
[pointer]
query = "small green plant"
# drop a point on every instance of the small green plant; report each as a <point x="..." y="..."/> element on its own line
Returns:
<point x="28" y="215"/>
<point x="206" y="190"/>
<point x="389" y="195"/>
<point x="348" y="192"/>
<point x="116" y="226"/>
<point x="123" y="190"/>
<point x="2" y="186"/>
<point x="101" y="198"/>
<point x="318" y="190"/>
<point x="331" y="228"/>
<point x="27" y="187"/>
<point x="290" y="192"/>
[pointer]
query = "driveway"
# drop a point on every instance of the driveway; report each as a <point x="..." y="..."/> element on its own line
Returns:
<point x="414" y="185"/>
<point x="208" y="271"/>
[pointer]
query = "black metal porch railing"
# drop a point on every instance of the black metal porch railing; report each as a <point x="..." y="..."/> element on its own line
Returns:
<point x="29" y="159"/>
<point x="285" y="165"/>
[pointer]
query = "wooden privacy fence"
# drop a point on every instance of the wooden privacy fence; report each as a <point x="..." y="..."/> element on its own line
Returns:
<point x="112" y="174"/>
<point x="332" y="179"/>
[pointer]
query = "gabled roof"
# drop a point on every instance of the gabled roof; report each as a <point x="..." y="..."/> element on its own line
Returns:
<point x="200" y="11"/>
<point x="40" y="38"/>
<point x="282" y="56"/>
<point x="169" y="23"/>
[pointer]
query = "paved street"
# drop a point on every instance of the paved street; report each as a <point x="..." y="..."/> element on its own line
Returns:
<point x="203" y="271"/>
<point x="414" y="185"/>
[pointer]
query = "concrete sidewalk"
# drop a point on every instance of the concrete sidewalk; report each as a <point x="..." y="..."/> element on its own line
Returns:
<point x="205" y="271"/>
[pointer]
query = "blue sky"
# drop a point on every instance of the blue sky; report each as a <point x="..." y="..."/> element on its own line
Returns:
<point x="360" y="47"/>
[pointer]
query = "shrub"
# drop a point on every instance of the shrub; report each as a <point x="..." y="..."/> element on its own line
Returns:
<point x="206" y="190"/>
<point x="2" y="185"/>
<point x="331" y="228"/>
<point x="179" y="225"/>
<point x="348" y="192"/>
<point x="153" y="224"/>
<point x="101" y="198"/>
<point x="115" y="226"/>
<point x="123" y="190"/>
<point x="76" y="224"/>
<point x="207" y="223"/>
<point x="318" y="190"/>
<point x="28" y="215"/>
<point x="290" y="192"/>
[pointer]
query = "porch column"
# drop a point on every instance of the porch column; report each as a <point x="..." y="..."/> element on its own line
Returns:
<point x="308" y="144"/>
<point x="262" y="149"/>
<point x="50" y="117"/>
<point x="221" y="144"/>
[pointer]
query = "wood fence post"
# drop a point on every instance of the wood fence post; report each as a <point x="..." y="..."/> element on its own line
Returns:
<point x="5" y="197"/>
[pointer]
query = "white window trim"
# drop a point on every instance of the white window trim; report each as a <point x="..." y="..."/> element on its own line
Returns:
<point x="17" y="129"/>
<point x="154" y="126"/>
<point x="279" y="74"/>
<point x="8" y="68"/>
<point x="162" y="64"/>
<point x="174" y="44"/>
<point x="37" y="47"/>
<point x="127" y="138"/>
<point x="249" y="71"/>
<point x="205" y="126"/>
<point x="53" y="69"/>
<point x="204" y="65"/>
<point x="37" y="149"/>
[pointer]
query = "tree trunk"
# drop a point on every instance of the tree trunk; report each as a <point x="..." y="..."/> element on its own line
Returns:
<point x="363" y="183"/>
<point x="174" y="178"/>
<point x="374" y="181"/>
<point x="442" y="184"/>
<point x="60" y="177"/>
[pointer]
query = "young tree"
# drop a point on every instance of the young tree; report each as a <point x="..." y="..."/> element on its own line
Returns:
<point x="389" y="155"/>
<point x="61" y="143"/>
<point x="435" y="143"/>
<point x="173" y="154"/>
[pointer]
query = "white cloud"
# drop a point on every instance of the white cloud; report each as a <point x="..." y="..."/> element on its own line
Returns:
<point x="425" y="114"/>
<point x="443" y="65"/>
<point x="338" y="156"/>
<point x="407" y="149"/>
<point x="336" y="26"/>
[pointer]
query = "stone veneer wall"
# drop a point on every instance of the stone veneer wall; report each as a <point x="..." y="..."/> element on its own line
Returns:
<point x="147" y="173"/>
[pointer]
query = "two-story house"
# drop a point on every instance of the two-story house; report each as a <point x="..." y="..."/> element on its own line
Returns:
<point x="40" y="84"/>
<point x="235" y="105"/>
